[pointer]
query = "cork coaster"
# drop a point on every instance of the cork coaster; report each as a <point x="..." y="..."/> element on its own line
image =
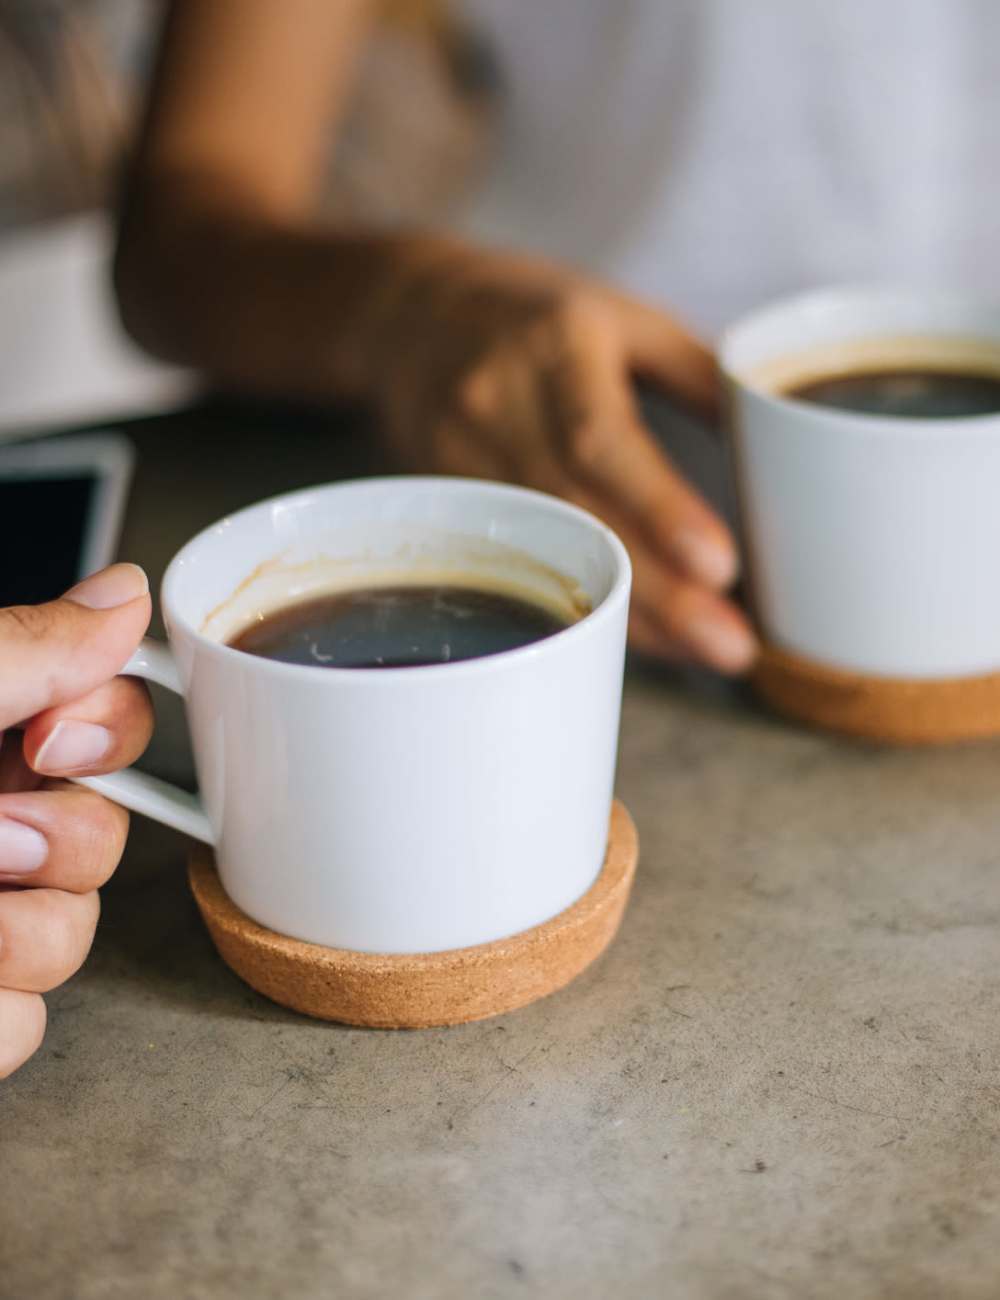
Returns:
<point x="414" y="991"/>
<point x="901" y="711"/>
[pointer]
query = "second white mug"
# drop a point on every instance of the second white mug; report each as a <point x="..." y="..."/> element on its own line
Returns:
<point x="872" y="542"/>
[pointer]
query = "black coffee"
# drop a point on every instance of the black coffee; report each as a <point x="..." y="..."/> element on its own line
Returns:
<point x="398" y="627"/>
<point x="922" y="394"/>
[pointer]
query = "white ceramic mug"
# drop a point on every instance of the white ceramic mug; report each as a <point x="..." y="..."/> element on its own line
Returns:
<point x="872" y="542"/>
<point x="395" y="810"/>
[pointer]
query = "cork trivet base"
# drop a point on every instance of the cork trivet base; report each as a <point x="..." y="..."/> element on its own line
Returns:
<point x="901" y="711"/>
<point x="413" y="991"/>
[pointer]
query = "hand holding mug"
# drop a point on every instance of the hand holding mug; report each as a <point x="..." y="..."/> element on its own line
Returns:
<point x="502" y="368"/>
<point x="62" y="713"/>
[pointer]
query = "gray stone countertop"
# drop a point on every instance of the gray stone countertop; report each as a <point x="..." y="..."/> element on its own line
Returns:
<point x="783" y="1080"/>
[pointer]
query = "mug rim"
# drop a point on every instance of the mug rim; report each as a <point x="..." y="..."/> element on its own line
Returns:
<point x="861" y="296"/>
<point x="607" y="608"/>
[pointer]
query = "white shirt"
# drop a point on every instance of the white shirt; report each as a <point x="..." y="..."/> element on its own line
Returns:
<point x="712" y="154"/>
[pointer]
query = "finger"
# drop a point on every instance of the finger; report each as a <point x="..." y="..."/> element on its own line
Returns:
<point x="606" y="446"/>
<point x="62" y="837"/>
<point x="679" y="613"/>
<point x="22" y="1027"/>
<point x="682" y="618"/>
<point x="103" y="731"/>
<point x="509" y="415"/>
<point x="662" y="350"/>
<point x="687" y="623"/>
<point x="51" y="654"/>
<point x="709" y="628"/>
<point x="45" y="935"/>
<point x="646" y="638"/>
<point x="678" y="619"/>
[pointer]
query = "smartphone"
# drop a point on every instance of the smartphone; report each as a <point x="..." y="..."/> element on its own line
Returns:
<point x="62" y="501"/>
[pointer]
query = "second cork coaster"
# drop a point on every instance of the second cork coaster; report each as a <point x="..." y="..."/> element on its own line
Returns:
<point x="901" y="711"/>
<point x="414" y="991"/>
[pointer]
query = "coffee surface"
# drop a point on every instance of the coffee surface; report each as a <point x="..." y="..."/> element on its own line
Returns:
<point x="917" y="394"/>
<point x="398" y="627"/>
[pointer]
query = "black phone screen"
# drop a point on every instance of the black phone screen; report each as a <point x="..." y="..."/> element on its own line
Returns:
<point x="43" y="527"/>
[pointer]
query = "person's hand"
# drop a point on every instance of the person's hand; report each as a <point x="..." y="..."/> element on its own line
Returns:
<point x="499" y="367"/>
<point x="62" y="712"/>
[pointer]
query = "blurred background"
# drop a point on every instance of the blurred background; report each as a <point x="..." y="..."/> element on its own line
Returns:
<point x="71" y="84"/>
<point x="72" y="79"/>
<point x="706" y="155"/>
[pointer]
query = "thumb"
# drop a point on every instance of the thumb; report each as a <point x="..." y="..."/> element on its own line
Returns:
<point x="51" y="654"/>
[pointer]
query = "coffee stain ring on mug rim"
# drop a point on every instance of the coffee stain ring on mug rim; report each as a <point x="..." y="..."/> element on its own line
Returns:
<point x="291" y="581"/>
<point x="870" y="354"/>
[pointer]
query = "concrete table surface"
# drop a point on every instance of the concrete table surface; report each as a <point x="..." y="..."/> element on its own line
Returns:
<point x="782" y="1081"/>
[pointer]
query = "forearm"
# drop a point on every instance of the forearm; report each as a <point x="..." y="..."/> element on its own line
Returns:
<point x="219" y="265"/>
<point x="267" y="306"/>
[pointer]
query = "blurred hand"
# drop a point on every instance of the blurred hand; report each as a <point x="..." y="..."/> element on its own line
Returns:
<point x="504" y="368"/>
<point x="58" y="841"/>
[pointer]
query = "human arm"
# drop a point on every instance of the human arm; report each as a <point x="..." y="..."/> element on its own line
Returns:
<point x="477" y="362"/>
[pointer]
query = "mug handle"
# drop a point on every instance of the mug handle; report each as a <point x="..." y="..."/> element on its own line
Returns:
<point x="138" y="790"/>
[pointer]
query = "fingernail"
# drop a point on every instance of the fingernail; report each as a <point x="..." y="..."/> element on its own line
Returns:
<point x="72" y="746"/>
<point x="727" y="647"/>
<point x="22" y="848"/>
<point x="110" y="588"/>
<point x="705" y="559"/>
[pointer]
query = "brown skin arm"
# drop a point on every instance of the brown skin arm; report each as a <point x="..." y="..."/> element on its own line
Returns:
<point x="477" y="362"/>
<point x="220" y="261"/>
